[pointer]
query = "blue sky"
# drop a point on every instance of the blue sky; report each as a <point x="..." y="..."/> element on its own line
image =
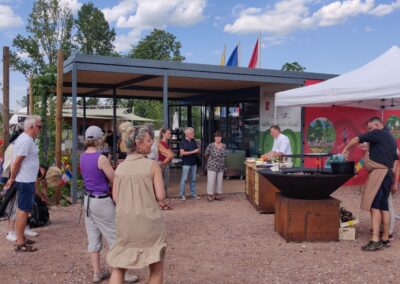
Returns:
<point x="323" y="36"/>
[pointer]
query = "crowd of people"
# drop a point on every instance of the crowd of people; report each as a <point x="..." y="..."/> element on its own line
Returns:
<point x="121" y="203"/>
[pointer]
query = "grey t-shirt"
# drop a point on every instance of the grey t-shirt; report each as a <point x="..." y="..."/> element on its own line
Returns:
<point x="26" y="147"/>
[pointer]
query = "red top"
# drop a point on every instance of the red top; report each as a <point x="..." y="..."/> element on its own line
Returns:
<point x="161" y="157"/>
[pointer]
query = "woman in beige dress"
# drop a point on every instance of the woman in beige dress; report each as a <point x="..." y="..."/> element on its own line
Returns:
<point x="138" y="186"/>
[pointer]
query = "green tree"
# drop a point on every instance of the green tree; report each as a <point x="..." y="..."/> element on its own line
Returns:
<point x="294" y="66"/>
<point x="94" y="35"/>
<point x="158" y="45"/>
<point x="48" y="30"/>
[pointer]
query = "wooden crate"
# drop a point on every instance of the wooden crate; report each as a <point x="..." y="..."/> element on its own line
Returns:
<point x="298" y="220"/>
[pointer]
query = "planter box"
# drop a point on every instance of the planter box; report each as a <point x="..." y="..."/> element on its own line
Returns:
<point x="298" y="220"/>
<point x="347" y="234"/>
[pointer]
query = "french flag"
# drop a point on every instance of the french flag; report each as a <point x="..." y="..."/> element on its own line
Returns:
<point x="255" y="61"/>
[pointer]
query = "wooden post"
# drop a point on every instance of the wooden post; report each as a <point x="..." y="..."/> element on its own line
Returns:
<point x="60" y="64"/>
<point x="30" y="111"/>
<point x="6" y="96"/>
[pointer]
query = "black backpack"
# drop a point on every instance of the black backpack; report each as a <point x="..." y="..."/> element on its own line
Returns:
<point x="40" y="214"/>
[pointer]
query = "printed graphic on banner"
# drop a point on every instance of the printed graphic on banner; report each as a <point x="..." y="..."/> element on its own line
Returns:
<point x="393" y="124"/>
<point x="321" y="135"/>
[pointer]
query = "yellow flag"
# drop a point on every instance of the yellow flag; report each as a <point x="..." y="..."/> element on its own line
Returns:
<point x="222" y="62"/>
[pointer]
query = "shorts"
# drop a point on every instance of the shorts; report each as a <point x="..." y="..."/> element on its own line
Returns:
<point x="380" y="201"/>
<point x="25" y="195"/>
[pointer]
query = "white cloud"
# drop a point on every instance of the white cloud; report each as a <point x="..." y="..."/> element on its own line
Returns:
<point x="124" y="42"/>
<point x="8" y="18"/>
<point x="287" y="16"/>
<point x="74" y="5"/>
<point x="142" y="15"/>
<point x="123" y="8"/>
<point x="283" y="18"/>
<point x="338" y="12"/>
<point x="385" y="9"/>
<point x="159" y="13"/>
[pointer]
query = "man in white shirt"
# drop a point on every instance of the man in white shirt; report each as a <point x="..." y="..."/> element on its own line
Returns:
<point x="281" y="144"/>
<point x="24" y="170"/>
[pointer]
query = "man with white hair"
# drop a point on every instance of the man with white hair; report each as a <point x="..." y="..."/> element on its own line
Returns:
<point x="24" y="169"/>
<point x="189" y="150"/>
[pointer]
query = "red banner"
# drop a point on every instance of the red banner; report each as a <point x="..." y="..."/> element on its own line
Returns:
<point x="327" y="130"/>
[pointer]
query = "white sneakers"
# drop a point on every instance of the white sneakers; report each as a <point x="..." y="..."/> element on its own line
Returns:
<point x="30" y="233"/>
<point x="12" y="236"/>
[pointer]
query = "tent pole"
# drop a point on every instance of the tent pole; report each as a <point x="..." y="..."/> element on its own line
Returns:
<point x="74" y="135"/>
<point x="165" y="100"/>
<point x="114" y="126"/>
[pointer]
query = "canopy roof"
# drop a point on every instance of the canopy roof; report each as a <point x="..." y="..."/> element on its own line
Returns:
<point x="97" y="76"/>
<point x="376" y="85"/>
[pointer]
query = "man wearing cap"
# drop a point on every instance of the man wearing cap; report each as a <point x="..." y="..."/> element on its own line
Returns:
<point x="24" y="169"/>
<point x="99" y="207"/>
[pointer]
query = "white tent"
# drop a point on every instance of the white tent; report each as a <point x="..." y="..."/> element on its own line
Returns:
<point x="376" y="85"/>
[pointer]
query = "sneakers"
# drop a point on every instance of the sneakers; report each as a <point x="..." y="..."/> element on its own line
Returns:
<point x="98" y="277"/>
<point x="30" y="233"/>
<point x="11" y="236"/>
<point x="130" y="278"/>
<point x="373" y="246"/>
<point x="194" y="197"/>
<point x="183" y="198"/>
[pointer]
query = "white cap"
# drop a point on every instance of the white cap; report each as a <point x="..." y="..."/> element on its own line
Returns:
<point x="93" y="133"/>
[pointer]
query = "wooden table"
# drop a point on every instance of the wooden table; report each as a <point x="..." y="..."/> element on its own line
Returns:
<point x="259" y="191"/>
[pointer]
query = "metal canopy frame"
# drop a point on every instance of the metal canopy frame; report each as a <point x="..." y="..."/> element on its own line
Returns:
<point x="113" y="77"/>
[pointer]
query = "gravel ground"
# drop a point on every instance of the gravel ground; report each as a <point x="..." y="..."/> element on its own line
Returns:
<point x="218" y="242"/>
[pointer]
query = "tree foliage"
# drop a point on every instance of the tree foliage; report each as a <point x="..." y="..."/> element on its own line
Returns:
<point x="294" y="66"/>
<point x="48" y="30"/>
<point x="158" y="45"/>
<point x="94" y="35"/>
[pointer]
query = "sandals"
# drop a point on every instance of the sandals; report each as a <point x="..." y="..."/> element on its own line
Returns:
<point x="29" y="242"/>
<point x="25" y="248"/>
<point x="166" y="207"/>
<point x="219" y="197"/>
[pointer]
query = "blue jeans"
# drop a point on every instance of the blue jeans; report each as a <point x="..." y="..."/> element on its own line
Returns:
<point x="193" y="173"/>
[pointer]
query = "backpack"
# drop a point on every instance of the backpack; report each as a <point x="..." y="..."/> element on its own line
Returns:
<point x="40" y="214"/>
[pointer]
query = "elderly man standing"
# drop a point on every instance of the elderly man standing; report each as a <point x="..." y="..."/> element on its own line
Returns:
<point x="189" y="150"/>
<point x="24" y="170"/>
<point x="281" y="144"/>
<point x="380" y="163"/>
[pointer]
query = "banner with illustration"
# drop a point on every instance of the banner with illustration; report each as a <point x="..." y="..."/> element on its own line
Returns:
<point x="391" y="118"/>
<point x="328" y="130"/>
<point x="288" y="119"/>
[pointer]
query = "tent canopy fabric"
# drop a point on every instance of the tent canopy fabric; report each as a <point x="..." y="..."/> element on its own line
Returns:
<point x="376" y="85"/>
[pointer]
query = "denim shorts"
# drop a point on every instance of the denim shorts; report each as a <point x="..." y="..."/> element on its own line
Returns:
<point x="382" y="196"/>
<point x="25" y="195"/>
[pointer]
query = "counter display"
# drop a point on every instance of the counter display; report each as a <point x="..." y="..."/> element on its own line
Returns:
<point x="259" y="191"/>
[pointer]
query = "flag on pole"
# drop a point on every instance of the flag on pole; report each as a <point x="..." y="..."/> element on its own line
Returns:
<point x="222" y="62"/>
<point x="255" y="58"/>
<point x="234" y="58"/>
